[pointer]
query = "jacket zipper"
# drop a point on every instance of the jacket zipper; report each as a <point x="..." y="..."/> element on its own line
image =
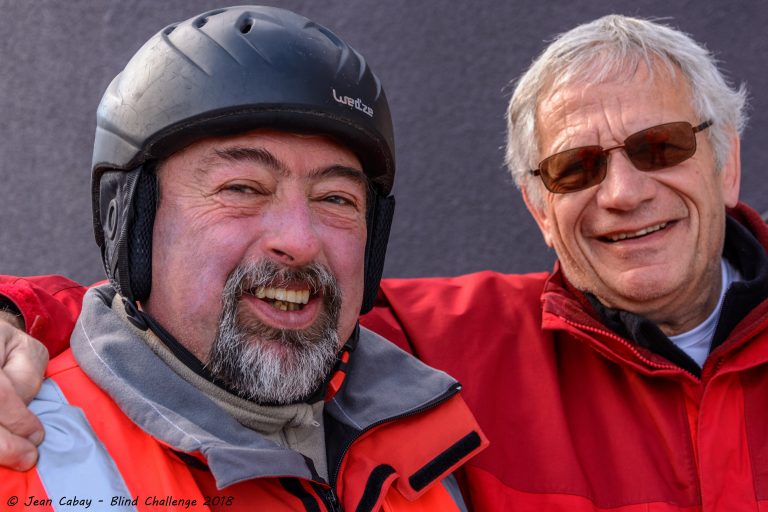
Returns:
<point x="330" y="499"/>
<point x="429" y="405"/>
<point x="694" y="442"/>
<point x="629" y="346"/>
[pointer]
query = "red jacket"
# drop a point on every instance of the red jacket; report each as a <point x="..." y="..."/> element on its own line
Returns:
<point x="142" y="471"/>
<point x="580" y="419"/>
<point x="124" y="429"/>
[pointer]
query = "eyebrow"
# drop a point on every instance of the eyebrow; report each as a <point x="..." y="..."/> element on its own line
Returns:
<point x="263" y="157"/>
<point x="340" y="171"/>
<point x="255" y="155"/>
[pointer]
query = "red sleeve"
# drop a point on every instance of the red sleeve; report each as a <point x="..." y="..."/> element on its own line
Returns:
<point x="50" y="306"/>
<point x="426" y="316"/>
<point x="464" y="325"/>
<point x="383" y="320"/>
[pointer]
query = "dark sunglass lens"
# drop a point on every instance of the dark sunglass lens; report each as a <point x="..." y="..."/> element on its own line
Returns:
<point x="574" y="169"/>
<point x="661" y="146"/>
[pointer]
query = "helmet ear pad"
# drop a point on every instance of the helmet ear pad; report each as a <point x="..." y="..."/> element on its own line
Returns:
<point x="140" y="239"/>
<point x="379" y="222"/>
<point x="127" y="202"/>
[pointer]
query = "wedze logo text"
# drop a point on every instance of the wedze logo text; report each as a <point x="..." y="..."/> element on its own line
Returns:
<point x="355" y="103"/>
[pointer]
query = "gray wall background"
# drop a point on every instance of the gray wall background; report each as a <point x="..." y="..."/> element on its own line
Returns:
<point x="445" y="66"/>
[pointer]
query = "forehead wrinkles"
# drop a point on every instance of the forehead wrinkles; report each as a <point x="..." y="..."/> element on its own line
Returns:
<point x="606" y="113"/>
<point x="573" y="117"/>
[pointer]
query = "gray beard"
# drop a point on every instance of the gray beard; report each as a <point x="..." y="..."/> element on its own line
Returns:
<point x="267" y="364"/>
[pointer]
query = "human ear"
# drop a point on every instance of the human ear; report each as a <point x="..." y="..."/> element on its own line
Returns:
<point x="539" y="214"/>
<point x="730" y="174"/>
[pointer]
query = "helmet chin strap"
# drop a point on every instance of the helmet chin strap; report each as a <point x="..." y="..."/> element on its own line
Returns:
<point x="335" y="379"/>
<point x="143" y="321"/>
<point x="326" y="391"/>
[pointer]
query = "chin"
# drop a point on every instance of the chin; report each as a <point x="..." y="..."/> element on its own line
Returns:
<point x="634" y="295"/>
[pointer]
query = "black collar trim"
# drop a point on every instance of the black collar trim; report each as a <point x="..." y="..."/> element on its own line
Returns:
<point x="744" y="252"/>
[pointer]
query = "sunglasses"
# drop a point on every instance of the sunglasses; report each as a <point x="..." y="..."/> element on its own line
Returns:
<point x="651" y="149"/>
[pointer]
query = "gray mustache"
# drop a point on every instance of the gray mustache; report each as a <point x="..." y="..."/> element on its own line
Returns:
<point x="317" y="277"/>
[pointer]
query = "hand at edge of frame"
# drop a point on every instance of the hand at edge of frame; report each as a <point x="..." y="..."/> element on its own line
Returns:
<point x="22" y="366"/>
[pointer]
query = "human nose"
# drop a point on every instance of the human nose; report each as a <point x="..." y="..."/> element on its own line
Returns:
<point x="624" y="187"/>
<point x="291" y="237"/>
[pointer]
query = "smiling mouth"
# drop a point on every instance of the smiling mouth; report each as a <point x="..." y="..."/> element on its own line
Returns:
<point x="282" y="298"/>
<point x="635" y="234"/>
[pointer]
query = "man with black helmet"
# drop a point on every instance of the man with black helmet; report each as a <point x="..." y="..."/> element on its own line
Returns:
<point x="241" y="176"/>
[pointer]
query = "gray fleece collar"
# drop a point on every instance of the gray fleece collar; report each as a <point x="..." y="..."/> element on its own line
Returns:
<point x="382" y="382"/>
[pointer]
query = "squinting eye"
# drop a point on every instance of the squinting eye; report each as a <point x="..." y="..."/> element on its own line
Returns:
<point x="339" y="200"/>
<point x="242" y="189"/>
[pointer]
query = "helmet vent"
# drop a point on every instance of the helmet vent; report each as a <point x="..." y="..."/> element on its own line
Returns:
<point x="202" y="20"/>
<point x="169" y="29"/>
<point x="246" y="25"/>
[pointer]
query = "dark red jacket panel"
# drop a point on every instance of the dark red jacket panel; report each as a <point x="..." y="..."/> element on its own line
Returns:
<point x="49" y="304"/>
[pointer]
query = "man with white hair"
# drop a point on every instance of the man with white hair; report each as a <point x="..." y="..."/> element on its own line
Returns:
<point x="632" y="377"/>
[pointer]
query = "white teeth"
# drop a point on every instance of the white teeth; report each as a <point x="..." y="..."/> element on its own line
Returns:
<point x="635" y="234"/>
<point x="283" y="295"/>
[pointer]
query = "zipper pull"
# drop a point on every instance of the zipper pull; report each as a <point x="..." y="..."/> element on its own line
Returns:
<point x="331" y="500"/>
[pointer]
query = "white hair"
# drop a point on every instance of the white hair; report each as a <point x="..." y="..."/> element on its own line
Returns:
<point x="609" y="47"/>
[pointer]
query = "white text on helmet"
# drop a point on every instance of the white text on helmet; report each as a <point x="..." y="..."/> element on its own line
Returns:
<point x="356" y="103"/>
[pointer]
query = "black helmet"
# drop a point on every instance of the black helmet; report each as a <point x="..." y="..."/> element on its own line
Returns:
<point x="221" y="73"/>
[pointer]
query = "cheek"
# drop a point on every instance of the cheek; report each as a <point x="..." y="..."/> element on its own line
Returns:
<point x="346" y="255"/>
<point x="571" y="217"/>
<point x="193" y="259"/>
<point x="565" y="217"/>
